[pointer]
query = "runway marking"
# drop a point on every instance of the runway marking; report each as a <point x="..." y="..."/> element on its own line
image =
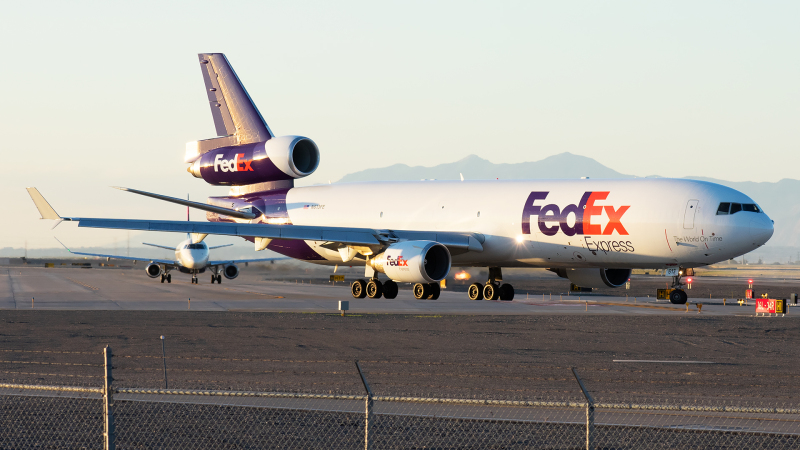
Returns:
<point x="83" y="284"/>
<point x="661" y="361"/>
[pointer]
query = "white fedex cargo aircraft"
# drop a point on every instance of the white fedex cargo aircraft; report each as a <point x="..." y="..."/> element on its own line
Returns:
<point x="592" y="232"/>
<point x="190" y="257"/>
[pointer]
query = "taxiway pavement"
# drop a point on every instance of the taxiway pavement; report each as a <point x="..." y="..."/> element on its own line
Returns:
<point x="108" y="289"/>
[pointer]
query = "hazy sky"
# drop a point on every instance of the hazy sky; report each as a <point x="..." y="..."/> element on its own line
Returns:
<point x="108" y="93"/>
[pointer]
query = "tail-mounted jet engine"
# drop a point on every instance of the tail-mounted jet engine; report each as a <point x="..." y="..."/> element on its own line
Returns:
<point x="413" y="262"/>
<point x="153" y="270"/>
<point x="595" y="278"/>
<point x="280" y="158"/>
<point x="230" y="271"/>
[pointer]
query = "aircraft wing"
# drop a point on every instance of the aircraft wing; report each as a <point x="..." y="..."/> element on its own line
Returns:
<point x="238" y="261"/>
<point x="168" y="262"/>
<point x="341" y="235"/>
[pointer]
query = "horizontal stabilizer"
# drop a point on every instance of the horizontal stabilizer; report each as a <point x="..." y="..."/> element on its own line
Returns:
<point x="201" y="206"/>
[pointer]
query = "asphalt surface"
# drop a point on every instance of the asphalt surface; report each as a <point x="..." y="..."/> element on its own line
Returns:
<point x="255" y="334"/>
<point x="263" y="332"/>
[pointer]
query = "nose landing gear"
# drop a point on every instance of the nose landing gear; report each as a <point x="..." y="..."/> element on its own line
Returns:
<point x="677" y="296"/>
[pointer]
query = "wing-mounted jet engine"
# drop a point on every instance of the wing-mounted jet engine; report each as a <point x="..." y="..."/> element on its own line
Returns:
<point x="153" y="270"/>
<point x="424" y="263"/>
<point x="231" y="271"/>
<point x="246" y="151"/>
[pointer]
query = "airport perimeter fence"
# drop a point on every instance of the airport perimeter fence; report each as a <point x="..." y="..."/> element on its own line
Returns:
<point x="107" y="416"/>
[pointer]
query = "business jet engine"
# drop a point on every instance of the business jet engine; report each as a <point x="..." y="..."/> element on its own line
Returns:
<point x="595" y="278"/>
<point x="153" y="270"/>
<point x="230" y="271"/>
<point x="413" y="262"/>
<point x="280" y="158"/>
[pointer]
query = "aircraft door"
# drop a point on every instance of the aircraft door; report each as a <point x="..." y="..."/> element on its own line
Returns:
<point x="688" y="216"/>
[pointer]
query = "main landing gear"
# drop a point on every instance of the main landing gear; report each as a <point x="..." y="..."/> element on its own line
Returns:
<point x="217" y="278"/>
<point x="493" y="289"/>
<point x="167" y="277"/>
<point x="374" y="289"/>
<point x="427" y="291"/>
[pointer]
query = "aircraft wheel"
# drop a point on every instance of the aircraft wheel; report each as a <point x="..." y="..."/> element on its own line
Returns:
<point x="435" y="290"/>
<point x="169" y="278"/>
<point x="374" y="289"/>
<point x="506" y="292"/>
<point x="162" y="278"/>
<point x="490" y="292"/>
<point x="421" y="290"/>
<point x="678" y="297"/>
<point x="390" y="290"/>
<point x="213" y="279"/>
<point x="358" y="289"/>
<point x="475" y="291"/>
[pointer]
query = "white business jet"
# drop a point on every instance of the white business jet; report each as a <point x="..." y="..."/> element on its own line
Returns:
<point x="191" y="257"/>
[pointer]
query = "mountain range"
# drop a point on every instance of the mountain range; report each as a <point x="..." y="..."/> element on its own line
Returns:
<point x="778" y="199"/>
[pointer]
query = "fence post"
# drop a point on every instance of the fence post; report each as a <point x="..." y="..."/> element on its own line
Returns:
<point x="109" y="429"/>
<point x="589" y="412"/>
<point x="368" y="412"/>
<point x="164" y="358"/>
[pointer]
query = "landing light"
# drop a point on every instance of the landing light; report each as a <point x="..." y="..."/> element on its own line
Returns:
<point x="520" y="238"/>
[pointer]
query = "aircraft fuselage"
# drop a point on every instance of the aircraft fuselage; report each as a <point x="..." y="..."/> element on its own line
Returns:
<point x="627" y="223"/>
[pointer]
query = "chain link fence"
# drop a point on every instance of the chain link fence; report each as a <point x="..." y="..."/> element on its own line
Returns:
<point x="96" y="412"/>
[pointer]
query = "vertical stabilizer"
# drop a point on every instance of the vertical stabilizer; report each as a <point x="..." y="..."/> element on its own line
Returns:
<point x="236" y="118"/>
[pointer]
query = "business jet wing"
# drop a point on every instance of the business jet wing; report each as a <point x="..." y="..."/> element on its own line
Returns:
<point x="159" y="246"/>
<point x="342" y="235"/>
<point x="168" y="262"/>
<point x="238" y="261"/>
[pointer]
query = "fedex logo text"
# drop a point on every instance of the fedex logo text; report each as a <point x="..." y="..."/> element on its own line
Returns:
<point x="399" y="262"/>
<point x="583" y="213"/>
<point x="236" y="164"/>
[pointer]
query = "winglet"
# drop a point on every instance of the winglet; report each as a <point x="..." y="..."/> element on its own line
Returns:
<point x="45" y="210"/>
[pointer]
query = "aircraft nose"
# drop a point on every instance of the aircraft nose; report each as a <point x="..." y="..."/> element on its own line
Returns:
<point x="761" y="229"/>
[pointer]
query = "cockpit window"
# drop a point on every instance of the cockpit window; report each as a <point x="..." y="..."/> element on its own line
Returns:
<point x="750" y="207"/>
<point x="732" y="208"/>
